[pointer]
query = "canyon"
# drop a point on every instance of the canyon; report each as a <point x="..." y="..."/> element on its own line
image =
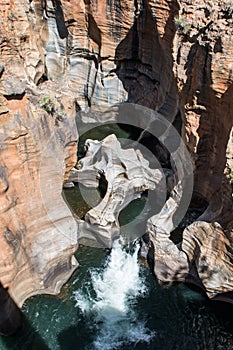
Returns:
<point x="61" y="59"/>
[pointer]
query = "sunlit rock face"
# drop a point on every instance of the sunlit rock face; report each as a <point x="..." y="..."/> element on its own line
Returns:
<point x="203" y="67"/>
<point x="38" y="140"/>
<point x="86" y="56"/>
<point x="202" y="243"/>
<point x="38" y="233"/>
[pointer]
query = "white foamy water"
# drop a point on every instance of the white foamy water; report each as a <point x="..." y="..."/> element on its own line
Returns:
<point x="111" y="310"/>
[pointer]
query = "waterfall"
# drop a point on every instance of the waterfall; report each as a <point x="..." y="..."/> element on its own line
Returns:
<point x="111" y="309"/>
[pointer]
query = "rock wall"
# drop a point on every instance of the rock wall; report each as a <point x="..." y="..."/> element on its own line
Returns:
<point x="59" y="57"/>
<point x="203" y="67"/>
<point x="38" y="140"/>
<point x="209" y="251"/>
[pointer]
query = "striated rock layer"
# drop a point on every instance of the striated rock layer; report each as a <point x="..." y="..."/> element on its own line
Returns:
<point x="38" y="142"/>
<point x="61" y="57"/>
<point x="203" y="67"/>
<point x="202" y="242"/>
<point x="38" y="232"/>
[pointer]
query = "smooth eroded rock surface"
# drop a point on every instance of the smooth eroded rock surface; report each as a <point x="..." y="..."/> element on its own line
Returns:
<point x="203" y="242"/>
<point x="127" y="175"/>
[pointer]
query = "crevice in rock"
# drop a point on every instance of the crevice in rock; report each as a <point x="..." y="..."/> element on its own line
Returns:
<point x="60" y="21"/>
<point x="93" y="31"/>
<point x="13" y="240"/>
<point x="42" y="79"/>
<point x="2" y="68"/>
<point x="15" y="96"/>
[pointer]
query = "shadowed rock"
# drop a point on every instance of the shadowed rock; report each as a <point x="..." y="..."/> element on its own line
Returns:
<point x="10" y="314"/>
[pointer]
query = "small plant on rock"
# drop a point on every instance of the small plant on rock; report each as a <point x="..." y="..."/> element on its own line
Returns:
<point x="227" y="11"/>
<point x="48" y="104"/>
<point x="182" y="25"/>
<point x="230" y="12"/>
<point x="52" y="107"/>
<point x="229" y="176"/>
<point x="12" y="17"/>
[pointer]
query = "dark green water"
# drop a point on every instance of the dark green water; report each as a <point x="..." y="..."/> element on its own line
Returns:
<point x="180" y="317"/>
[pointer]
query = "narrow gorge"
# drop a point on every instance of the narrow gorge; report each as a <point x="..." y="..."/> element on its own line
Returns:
<point x="133" y="99"/>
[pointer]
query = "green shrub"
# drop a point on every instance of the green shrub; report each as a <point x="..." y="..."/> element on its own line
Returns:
<point x="48" y="104"/>
<point x="12" y="16"/>
<point x="230" y="12"/>
<point x="230" y="176"/>
<point x="182" y="26"/>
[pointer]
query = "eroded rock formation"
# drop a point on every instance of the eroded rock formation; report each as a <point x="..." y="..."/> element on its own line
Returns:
<point x="202" y="243"/>
<point x="202" y="54"/>
<point x="61" y="57"/>
<point x="203" y="60"/>
<point x="169" y="262"/>
<point x="127" y="174"/>
<point x="39" y="235"/>
<point x="38" y="140"/>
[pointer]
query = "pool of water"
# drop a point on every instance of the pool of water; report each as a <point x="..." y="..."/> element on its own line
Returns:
<point x="178" y="317"/>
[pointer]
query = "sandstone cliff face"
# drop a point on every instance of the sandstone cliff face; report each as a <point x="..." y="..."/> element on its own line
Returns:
<point x="38" y="148"/>
<point x="209" y="249"/>
<point x="38" y="232"/>
<point x="60" y="57"/>
<point x="203" y="67"/>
